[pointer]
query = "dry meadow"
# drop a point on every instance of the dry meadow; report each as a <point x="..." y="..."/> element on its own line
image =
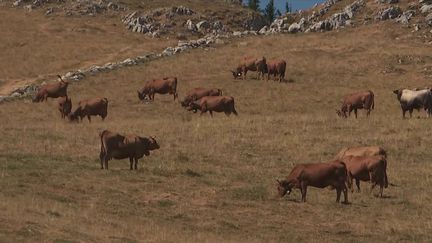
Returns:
<point x="213" y="179"/>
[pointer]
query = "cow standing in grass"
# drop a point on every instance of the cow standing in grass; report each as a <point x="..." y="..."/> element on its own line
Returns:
<point x="214" y="104"/>
<point x="90" y="107"/>
<point x="367" y="168"/>
<point x="358" y="100"/>
<point x="160" y="86"/>
<point x="276" y="68"/>
<point x="414" y="99"/>
<point x="64" y="106"/>
<point x="250" y="64"/>
<point x="198" y="93"/>
<point x="114" y="145"/>
<point x="321" y="175"/>
<point x="53" y="90"/>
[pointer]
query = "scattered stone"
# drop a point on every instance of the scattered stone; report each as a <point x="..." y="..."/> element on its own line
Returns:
<point x="294" y="28"/>
<point x="405" y="17"/>
<point x="426" y="8"/>
<point x="203" y="26"/>
<point x="389" y="13"/>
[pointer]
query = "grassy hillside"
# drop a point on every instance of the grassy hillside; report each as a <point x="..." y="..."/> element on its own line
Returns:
<point x="214" y="179"/>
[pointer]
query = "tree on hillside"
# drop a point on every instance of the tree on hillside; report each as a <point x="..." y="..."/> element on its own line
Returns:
<point x="269" y="11"/>
<point x="254" y="5"/>
<point x="278" y="13"/>
<point x="287" y="7"/>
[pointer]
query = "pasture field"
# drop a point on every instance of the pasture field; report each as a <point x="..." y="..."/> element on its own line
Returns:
<point x="213" y="180"/>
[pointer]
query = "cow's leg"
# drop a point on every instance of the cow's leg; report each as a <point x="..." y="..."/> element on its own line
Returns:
<point x="303" y="188"/>
<point x="357" y="184"/>
<point x="368" y="112"/>
<point x="345" y="192"/>
<point x="381" y="190"/>
<point x="211" y="113"/>
<point x="88" y="117"/>
<point x="403" y="113"/>
<point x="355" y="113"/>
<point x="338" y="194"/>
<point x="106" y="162"/>
<point x="136" y="163"/>
<point x="410" y="112"/>
<point x="131" y="163"/>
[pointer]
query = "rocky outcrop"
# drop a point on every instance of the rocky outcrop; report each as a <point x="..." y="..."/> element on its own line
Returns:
<point x="389" y="13"/>
<point x="255" y="21"/>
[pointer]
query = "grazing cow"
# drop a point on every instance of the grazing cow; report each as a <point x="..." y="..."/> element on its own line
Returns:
<point x="277" y="69"/>
<point x="367" y="168"/>
<point x="198" y="93"/>
<point x="321" y="175"/>
<point x="250" y="64"/>
<point x="114" y="145"/>
<point x="53" y="90"/>
<point x="361" y="151"/>
<point x="414" y="99"/>
<point x="358" y="100"/>
<point x="64" y="106"/>
<point x="90" y="107"/>
<point x="160" y="86"/>
<point x="214" y="103"/>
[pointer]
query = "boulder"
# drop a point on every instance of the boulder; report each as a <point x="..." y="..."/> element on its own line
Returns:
<point x="428" y="19"/>
<point x="426" y="8"/>
<point x="294" y="28"/>
<point x="190" y="25"/>
<point x="203" y="25"/>
<point x="405" y="17"/>
<point x="389" y="13"/>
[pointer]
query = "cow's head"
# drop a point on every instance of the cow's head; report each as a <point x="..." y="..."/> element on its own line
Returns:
<point x="194" y="106"/>
<point x="186" y="101"/>
<point x="398" y="93"/>
<point x="152" y="143"/>
<point x="341" y="113"/>
<point x="283" y="187"/>
<point x="236" y="73"/>
<point x="74" y="116"/>
<point x="142" y="94"/>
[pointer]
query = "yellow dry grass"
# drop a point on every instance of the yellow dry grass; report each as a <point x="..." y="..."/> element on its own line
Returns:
<point x="214" y="179"/>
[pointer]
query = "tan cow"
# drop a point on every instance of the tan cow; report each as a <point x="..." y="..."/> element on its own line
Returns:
<point x="250" y="64"/>
<point x="64" y="106"/>
<point x="114" y="145"/>
<point x="361" y="151"/>
<point x="355" y="101"/>
<point x="214" y="103"/>
<point x="198" y="93"/>
<point x="53" y="90"/>
<point x="320" y="175"/>
<point x="90" y="107"/>
<point x="276" y="68"/>
<point x="161" y="86"/>
<point x="367" y="168"/>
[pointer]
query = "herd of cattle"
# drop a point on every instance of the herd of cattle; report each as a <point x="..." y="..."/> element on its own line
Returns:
<point x="359" y="164"/>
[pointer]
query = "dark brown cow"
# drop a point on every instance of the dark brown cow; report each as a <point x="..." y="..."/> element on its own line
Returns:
<point x="214" y="103"/>
<point x="250" y="64"/>
<point x="160" y="86"/>
<point x="354" y="101"/>
<point x="114" y="145"/>
<point x="53" y="90"/>
<point x="198" y="93"/>
<point x="90" y="107"/>
<point x="319" y="175"/>
<point x="367" y="168"/>
<point x="361" y="151"/>
<point x="64" y="106"/>
<point x="277" y="69"/>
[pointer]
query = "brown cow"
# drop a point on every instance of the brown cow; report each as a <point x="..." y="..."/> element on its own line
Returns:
<point x="90" y="107"/>
<point x="198" y="93"/>
<point x="361" y="151"/>
<point x="214" y="103"/>
<point x="53" y="90"/>
<point x="319" y="175"/>
<point x="114" y="145"/>
<point x="250" y="64"/>
<point x="367" y="168"/>
<point x="276" y="68"/>
<point x="64" y="106"/>
<point x="160" y="86"/>
<point x="358" y="100"/>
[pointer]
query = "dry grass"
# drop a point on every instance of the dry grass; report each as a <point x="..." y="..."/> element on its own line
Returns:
<point x="213" y="179"/>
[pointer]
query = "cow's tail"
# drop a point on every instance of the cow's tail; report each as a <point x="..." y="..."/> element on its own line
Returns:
<point x="175" y="88"/>
<point x="386" y="183"/>
<point x="372" y="100"/>
<point x="233" y="108"/>
<point x="103" y="145"/>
